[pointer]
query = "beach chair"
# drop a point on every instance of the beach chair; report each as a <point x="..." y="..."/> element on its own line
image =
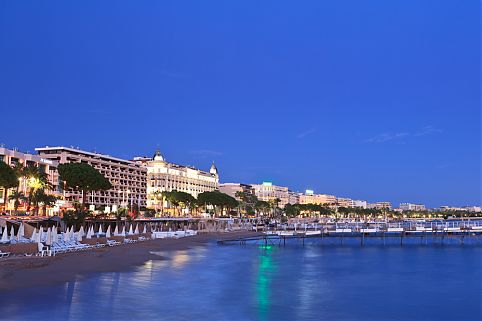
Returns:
<point x="112" y="243"/>
<point x="4" y="254"/>
<point x="44" y="250"/>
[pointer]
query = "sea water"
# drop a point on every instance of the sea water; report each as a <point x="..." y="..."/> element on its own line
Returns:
<point x="253" y="282"/>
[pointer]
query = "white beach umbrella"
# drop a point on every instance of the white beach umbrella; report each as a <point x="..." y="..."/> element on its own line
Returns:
<point x="71" y="231"/>
<point x="21" y="231"/>
<point x="107" y="233"/>
<point x="5" y="234"/>
<point x="92" y="233"/>
<point x="116" y="230"/>
<point x="12" y="233"/>
<point x="33" y="238"/>
<point x="145" y="229"/>
<point x="55" y="237"/>
<point x="66" y="236"/>
<point x="130" y="230"/>
<point x="136" y="231"/>
<point x="88" y="234"/>
<point x="100" y="229"/>
<point x="79" y="236"/>
<point x="81" y="231"/>
<point x="123" y="233"/>
<point x="48" y="240"/>
<point x="40" y="234"/>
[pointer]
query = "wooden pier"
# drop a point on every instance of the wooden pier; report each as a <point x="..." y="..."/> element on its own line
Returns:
<point x="324" y="237"/>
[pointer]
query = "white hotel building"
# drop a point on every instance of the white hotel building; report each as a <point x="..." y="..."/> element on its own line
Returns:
<point x="412" y="207"/>
<point x="268" y="192"/>
<point x="128" y="178"/>
<point x="167" y="177"/>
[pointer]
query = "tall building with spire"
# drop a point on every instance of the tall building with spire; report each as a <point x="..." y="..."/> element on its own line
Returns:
<point x="163" y="176"/>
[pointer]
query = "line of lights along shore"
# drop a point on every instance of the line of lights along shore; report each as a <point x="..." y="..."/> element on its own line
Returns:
<point x="135" y="181"/>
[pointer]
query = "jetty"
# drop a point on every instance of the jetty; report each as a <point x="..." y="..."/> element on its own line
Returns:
<point x="356" y="233"/>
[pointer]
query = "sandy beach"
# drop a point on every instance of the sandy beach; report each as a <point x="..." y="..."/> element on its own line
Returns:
<point x="22" y="272"/>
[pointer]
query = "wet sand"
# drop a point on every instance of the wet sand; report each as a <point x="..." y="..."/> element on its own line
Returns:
<point x="24" y="272"/>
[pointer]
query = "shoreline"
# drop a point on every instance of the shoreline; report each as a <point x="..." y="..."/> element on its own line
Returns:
<point x="26" y="272"/>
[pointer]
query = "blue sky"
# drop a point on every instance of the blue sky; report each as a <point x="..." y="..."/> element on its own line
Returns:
<point x="376" y="100"/>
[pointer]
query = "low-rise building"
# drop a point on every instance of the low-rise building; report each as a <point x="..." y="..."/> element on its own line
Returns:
<point x="412" y="207"/>
<point x="344" y="202"/>
<point x="358" y="204"/>
<point x="380" y="206"/>
<point x="474" y="209"/>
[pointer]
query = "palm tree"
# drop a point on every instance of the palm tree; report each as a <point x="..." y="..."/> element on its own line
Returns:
<point x="46" y="200"/>
<point x="17" y="197"/>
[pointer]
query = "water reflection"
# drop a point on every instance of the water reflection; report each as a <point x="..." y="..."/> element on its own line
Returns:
<point x="266" y="267"/>
<point x="269" y="283"/>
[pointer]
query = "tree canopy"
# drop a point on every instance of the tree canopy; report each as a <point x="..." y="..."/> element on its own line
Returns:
<point x="8" y="179"/>
<point x="217" y="199"/>
<point x="83" y="177"/>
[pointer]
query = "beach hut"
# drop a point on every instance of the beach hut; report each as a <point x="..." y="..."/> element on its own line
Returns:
<point x="136" y="231"/>
<point x="131" y="232"/>
<point x="116" y="230"/>
<point x="107" y="233"/>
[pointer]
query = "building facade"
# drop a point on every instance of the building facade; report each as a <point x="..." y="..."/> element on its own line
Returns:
<point x="269" y="193"/>
<point x="358" y="204"/>
<point x="412" y="207"/>
<point x="46" y="166"/>
<point x="128" y="179"/>
<point x="344" y="202"/>
<point x="232" y="188"/>
<point x="380" y="206"/>
<point x="166" y="177"/>
<point x="319" y="199"/>
<point x="293" y="197"/>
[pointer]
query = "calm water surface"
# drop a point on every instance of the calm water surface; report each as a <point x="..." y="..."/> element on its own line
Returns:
<point x="274" y="283"/>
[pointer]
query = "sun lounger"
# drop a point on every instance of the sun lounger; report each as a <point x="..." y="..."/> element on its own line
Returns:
<point x="43" y="250"/>
<point x="112" y="243"/>
<point x="4" y="254"/>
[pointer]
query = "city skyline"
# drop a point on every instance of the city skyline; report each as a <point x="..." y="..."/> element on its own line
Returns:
<point x="386" y="107"/>
<point x="144" y="159"/>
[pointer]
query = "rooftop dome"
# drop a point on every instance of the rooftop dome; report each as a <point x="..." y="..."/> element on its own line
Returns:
<point x="213" y="169"/>
<point x="158" y="156"/>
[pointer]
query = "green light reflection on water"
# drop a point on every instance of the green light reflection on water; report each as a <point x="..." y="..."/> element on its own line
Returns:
<point x="266" y="267"/>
